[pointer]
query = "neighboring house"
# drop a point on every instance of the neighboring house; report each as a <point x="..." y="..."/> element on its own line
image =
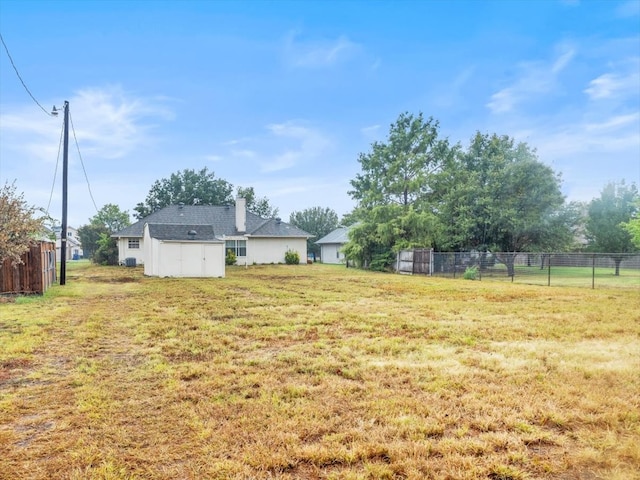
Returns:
<point x="331" y="245"/>
<point x="74" y="246"/>
<point x="253" y="239"/>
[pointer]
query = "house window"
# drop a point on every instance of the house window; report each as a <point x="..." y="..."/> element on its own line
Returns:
<point x="134" y="243"/>
<point x="239" y="247"/>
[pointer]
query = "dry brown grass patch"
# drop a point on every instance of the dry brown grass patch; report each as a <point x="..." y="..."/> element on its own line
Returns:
<point x="314" y="372"/>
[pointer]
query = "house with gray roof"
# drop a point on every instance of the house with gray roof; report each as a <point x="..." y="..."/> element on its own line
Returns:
<point x="253" y="239"/>
<point x="331" y="245"/>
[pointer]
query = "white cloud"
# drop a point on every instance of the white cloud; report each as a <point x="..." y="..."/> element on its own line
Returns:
<point x="371" y="131"/>
<point x="108" y="124"/>
<point x="282" y="161"/>
<point x="613" y="84"/>
<point x="281" y="146"/>
<point x="299" y="192"/>
<point x="563" y="60"/>
<point x="308" y="144"/>
<point x="535" y="79"/>
<point x="592" y="138"/>
<point x="615" y="122"/>
<point x="243" y="153"/>
<point x="318" y="53"/>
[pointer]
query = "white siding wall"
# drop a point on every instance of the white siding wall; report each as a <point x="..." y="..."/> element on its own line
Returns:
<point x="272" y="250"/>
<point x="125" y="252"/>
<point x="182" y="259"/>
<point x="151" y="249"/>
<point x="330" y="253"/>
<point x="186" y="259"/>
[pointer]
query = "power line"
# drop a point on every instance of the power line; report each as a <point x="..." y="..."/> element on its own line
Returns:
<point x="82" y="163"/>
<point x="55" y="172"/>
<point x="20" y="78"/>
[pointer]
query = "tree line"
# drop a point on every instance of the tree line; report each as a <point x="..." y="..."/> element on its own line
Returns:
<point x="415" y="189"/>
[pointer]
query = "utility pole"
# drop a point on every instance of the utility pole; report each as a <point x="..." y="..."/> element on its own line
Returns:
<point x="65" y="174"/>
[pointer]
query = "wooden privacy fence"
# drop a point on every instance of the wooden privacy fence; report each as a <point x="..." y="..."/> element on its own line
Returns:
<point x="419" y="261"/>
<point x="35" y="274"/>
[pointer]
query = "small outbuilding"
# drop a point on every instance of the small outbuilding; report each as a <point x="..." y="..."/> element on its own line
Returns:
<point x="173" y="250"/>
<point x="331" y="245"/>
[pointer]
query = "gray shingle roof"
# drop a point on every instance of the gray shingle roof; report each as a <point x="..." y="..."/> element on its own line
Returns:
<point x="277" y="228"/>
<point x="168" y="231"/>
<point x="339" y="235"/>
<point x="221" y="218"/>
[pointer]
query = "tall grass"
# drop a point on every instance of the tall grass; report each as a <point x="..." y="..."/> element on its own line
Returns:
<point x="314" y="371"/>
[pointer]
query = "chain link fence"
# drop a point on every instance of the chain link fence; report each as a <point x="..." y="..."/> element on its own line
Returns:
<point x="562" y="269"/>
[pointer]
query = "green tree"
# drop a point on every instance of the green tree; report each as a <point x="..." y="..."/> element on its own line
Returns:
<point x="396" y="189"/>
<point x="386" y="229"/>
<point x="258" y="205"/>
<point x="317" y="221"/>
<point x="498" y="196"/>
<point x="401" y="171"/>
<point x="633" y="226"/>
<point x="107" y="252"/>
<point x="112" y="218"/>
<point x="19" y="227"/>
<point x="187" y="187"/>
<point x="108" y="220"/>
<point x="90" y="235"/>
<point x="605" y="231"/>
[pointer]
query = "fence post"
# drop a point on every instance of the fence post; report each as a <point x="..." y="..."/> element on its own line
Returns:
<point x="593" y="272"/>
<point x="455" y="258"/>
<point x="431" y="262"/>
<point x="549" y="270"/>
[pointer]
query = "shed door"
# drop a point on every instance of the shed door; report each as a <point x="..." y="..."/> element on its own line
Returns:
<point x="213" y="260"/>
<point x="192" y="261"/>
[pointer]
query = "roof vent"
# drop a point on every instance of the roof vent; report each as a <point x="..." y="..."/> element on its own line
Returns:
<point x="192" y="234"/>
<point x="278" y="220"/>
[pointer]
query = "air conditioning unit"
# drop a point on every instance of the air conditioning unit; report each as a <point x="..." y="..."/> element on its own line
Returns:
<point x="130" y="261"/>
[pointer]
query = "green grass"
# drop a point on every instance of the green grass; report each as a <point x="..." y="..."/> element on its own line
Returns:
<point x="567" y="276"/>
<point x="318" y="372"/>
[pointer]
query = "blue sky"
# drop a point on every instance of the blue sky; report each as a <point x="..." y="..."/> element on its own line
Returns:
<point x="282" y="96"/>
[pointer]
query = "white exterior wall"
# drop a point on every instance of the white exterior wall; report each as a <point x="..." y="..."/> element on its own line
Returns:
<point x="272" y="250"/>
<point x="183" y="259"/>
<point x="150" y="251"/>
<point x="330" y="253"/>
<point x="125" y="252"/>
<point x="186" y="259"/>
<point x="73" y="245"/>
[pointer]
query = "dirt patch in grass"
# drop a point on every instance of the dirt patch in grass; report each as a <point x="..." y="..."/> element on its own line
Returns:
<point x="314" y="372"/>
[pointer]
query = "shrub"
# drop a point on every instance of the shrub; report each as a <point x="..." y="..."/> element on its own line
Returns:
<point x="382" y="262"/>
<point x="471" y="273"/>
<point x="291" y="257"/>
<point x="230" y="259"/>
<point x="107" y="252"/>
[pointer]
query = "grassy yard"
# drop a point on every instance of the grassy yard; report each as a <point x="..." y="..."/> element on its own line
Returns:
<point x="310" y="372"/>
<point x="568" y="276"/>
